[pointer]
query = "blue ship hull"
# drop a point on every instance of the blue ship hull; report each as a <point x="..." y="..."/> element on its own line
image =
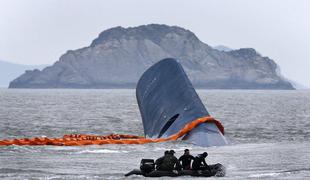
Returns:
<point x="168" y="101"/>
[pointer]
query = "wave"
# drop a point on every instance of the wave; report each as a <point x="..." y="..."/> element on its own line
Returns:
<point x="11" y="170"/>
<point x="273" y="174"/>
<point x="99" y="151"/>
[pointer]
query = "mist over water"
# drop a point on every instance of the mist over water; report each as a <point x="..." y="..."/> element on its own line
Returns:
<point x="268" y="132"/>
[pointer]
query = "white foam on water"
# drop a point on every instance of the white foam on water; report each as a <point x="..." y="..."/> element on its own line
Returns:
<point x="231" y="167"/>
<point x="99" y="151"/>
<point x="158" y="149"/>
<point x="62" y="148"/>
<point x="272" y="174"/>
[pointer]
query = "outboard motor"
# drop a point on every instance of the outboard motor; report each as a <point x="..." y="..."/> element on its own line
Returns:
<point x="147" y="165"/>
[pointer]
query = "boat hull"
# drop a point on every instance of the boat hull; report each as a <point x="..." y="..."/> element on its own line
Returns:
<point x="217" y="170"/>
<point x="168" y="101"/>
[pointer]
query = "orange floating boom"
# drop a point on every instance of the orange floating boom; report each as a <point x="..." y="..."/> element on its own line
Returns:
<point x="84" y="139"/>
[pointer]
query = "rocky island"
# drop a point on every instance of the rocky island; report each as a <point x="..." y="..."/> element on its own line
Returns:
<point x="118" y="57"/>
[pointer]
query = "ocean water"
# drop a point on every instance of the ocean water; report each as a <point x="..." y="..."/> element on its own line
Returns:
<point x="268" y="131"/>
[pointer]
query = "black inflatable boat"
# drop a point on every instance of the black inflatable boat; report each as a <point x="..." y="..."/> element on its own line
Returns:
<point x="147" y="169"/>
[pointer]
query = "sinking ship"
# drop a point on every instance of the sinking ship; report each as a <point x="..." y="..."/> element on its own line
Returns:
<point x="170" y="109"/>
<point x="168" y="101"/>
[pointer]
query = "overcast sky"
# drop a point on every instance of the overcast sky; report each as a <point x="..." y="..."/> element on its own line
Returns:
<point x="40" y="31"/>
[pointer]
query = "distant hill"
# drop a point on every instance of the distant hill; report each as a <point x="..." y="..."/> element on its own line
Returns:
<point x="9" y="71"/>
<point x="119" y="56"/>
<point x="298" y="85"/>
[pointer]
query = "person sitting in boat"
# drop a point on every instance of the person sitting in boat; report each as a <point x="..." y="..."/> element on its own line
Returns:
<point x="186" y="160"/>
<point x="199" y="162"/>
<point x="160" y="160"/>
<point x="168" y="162"/>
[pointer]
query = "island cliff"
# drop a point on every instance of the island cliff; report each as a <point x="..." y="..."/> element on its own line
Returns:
<point x="119" y="56"/>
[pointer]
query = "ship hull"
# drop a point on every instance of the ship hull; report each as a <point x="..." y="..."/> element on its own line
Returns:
<point x="168" y="101"/>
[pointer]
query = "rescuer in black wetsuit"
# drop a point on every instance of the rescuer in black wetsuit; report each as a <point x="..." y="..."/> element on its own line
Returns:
<point x="168" y="162"/>
<point x="199" y="162"/>
<point x="160" y="160"/>
<point x="186" y="160"/>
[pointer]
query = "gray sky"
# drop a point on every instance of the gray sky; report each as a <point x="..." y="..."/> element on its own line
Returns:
<point x="39" y="32"/>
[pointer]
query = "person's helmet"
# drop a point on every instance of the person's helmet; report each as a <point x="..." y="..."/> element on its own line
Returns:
<point x="186" y="150"/>
<point x="205" y="154"/>
<point x="172" y="152"/>
<point x="167" y="152"/>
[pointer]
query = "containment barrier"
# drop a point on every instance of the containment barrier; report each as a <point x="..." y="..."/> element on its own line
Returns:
<point x="84" y="139"/>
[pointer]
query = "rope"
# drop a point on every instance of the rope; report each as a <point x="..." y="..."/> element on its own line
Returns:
<point x="84" y="139"/>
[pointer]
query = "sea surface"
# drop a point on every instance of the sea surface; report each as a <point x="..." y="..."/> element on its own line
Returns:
<point x="268" y="131"/>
